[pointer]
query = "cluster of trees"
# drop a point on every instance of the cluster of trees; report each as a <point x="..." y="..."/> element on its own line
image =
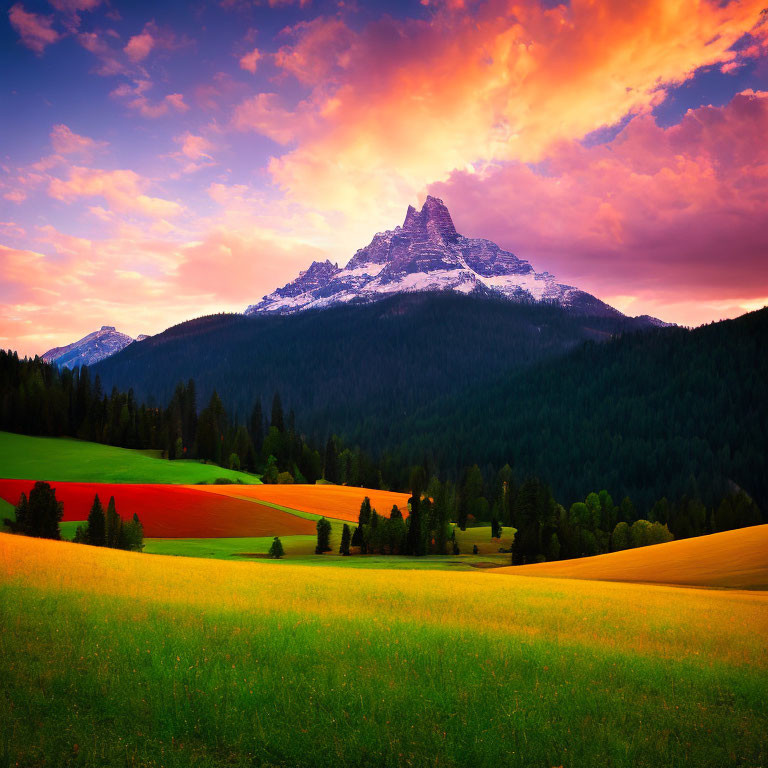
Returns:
<point x="107" y="529"/>
<point x="39" y="399"/>
<point x="40" y="513"/>
<point x="545" y="529"/>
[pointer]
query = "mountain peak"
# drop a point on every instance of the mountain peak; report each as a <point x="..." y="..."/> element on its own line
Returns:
<point x="90" y="349"/>
<point x="426" y="254"/>
<point x="433" y="220"/>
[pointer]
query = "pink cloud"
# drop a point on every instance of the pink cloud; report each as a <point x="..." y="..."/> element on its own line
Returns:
<point x="139" y="46"/>
<point x="668" y="220"/>
<point x="122" y="189"/>
<point x="72" y="6"/>
<point x="66" y="142"/>
<point x="36" y="31"/>
<point x="149" y="39"/>
<point x="265" y="114"/>
<point x="194" y="147"/>
<point x="110" y="63"/>
<point x="135" y="96"/>
<point x="250" y="61"/>
<point x="194" y="152"/>
<point x="322" y="45"/>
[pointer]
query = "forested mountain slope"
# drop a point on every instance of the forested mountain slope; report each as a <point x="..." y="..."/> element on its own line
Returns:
<point x="342" y="366"/>
<point x="659" y="413"/>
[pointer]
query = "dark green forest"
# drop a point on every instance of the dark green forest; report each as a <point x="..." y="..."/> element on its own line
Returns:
<point x="664" y="412"/>
<point x="553" y="415"/>
<point x="447" y="381"/>
<point x="345" y="366"/>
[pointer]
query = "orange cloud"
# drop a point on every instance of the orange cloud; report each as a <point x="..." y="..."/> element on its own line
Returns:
<point x="122" y="189"/>
<point x="36" y="31"/>
<point x="265" y="114"/>
<point x="404" y="102"/>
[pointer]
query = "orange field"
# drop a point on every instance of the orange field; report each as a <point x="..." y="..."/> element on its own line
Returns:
<point x="172" y="511"/>
<point x="736" y="559"/>
<point x="340" y="502"/>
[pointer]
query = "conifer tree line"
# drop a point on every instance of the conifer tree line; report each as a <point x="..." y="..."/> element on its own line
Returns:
<point x="544" y="529"/>
<point x="37" y="398"/>
<point x="40" y="513"/>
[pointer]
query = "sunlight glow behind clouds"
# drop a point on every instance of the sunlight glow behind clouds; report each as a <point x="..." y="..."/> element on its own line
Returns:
<point x="196" y="153"/>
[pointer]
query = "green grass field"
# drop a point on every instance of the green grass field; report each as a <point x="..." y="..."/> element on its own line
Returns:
<point x="118" y="659"/>
<point x="63" y="459"/>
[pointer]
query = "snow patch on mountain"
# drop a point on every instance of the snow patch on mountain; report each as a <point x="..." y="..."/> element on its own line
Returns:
<point x="91" y="348"/>
<point x="425" y="254"/>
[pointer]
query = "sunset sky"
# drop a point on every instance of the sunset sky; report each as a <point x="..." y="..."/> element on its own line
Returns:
<point x="161" y="161"/>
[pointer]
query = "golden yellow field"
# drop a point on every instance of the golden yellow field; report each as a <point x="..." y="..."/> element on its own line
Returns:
<point x="734" y="625"/>
<point x="119" y="658"/>
<point x="337" y="501"/>
<point x="736" y="559"/>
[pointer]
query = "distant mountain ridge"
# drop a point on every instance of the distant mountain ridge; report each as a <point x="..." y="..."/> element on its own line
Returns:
<point x="427" y="254"/>
<point x="90" y="349"/>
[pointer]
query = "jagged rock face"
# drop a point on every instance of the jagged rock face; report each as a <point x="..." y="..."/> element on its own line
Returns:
<point x="425" y="254"/>
<point x="91" y="348"/>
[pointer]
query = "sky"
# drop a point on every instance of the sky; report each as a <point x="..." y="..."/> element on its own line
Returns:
<point x="162" y="161"/>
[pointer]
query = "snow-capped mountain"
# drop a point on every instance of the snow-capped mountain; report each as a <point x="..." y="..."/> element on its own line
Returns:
<point x="425" y="254"/>
<point x="91" y="348"/>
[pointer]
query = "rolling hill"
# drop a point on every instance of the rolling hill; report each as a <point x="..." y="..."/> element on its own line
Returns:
<point x="63" y="459"/>
<point x="112" y="656"/>
<point x="339" y="502"/>
<point x="735" y="559"/>
<point x="173" y="511"/>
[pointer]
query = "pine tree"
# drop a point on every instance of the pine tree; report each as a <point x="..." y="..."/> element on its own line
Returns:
<point x="415" y="540"/>
<point x="40" y="514"/>
<point x="276" y="551"/>
<point x="277" y="421"/>
<point x="133" y="535"/>
<point x="346" y="537"/>
<point x="257" y="426"/>
<point x="331" y="461"/>
<point x="113" y="526"/>
<point x="96" y="524"/>
<point x="21" y="522"/>
<point x="363" y="519"/>
<point x="323" y="536"/>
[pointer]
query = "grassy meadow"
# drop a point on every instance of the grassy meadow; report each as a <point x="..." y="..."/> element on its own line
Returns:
<point x="64" y="459"/>
<point x="115" y="658"/>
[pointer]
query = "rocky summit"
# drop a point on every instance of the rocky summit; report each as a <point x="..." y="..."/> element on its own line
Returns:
<point x="90" y="349"/>
<point x="425" y="254"/>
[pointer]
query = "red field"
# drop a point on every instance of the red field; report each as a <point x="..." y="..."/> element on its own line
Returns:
<point x="340" y="502"/>
<point x="172" y="511"/>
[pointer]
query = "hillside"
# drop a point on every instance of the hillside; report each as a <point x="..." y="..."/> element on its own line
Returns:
<point x="112" y="655"/>
<point x="658" y="413"/>
<point x="342" y="367"/>
<point x="736" y="559"/>
<point x="62" y="459"/>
